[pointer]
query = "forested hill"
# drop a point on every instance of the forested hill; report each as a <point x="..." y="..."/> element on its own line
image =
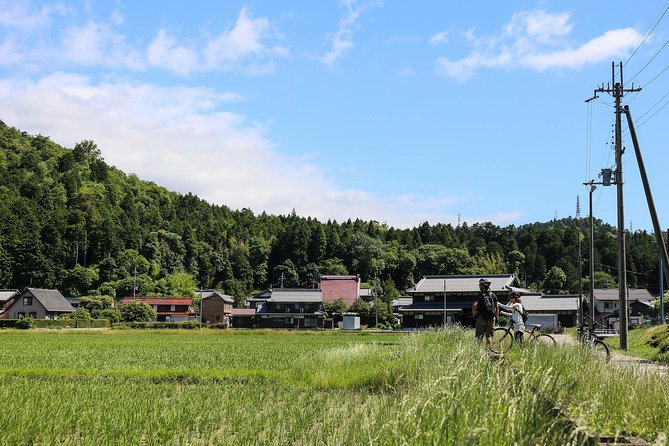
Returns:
<point x="70" y="221"/>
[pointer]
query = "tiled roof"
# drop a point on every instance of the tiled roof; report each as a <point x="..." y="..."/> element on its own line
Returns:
<point x="536" y="303"/>
<point x="51" y="300"/>
<point x="469" y="283"/>
<point x="243" y="311"/>
<point x="159" y="300"/>
<point x="432" y="306"/>
<point x="611" y="294"/>
<point x="402" y="301"/>
<point x="295" y="295"/>
<point x="5" y="295"/>
<point x="213" y="293"/>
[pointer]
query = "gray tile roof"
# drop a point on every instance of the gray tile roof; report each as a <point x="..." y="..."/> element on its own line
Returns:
<point x="611" y="294"/>
<point x="206" y="294"/>
<point x="51" y="300"/>
<point x="469" y="283"/>
<point x="5" y="295"/>
<point x="432" y="306"/>
<point x="539" y="304"/>
<point x="295" y="295"/>
<point x="402" y="301"/>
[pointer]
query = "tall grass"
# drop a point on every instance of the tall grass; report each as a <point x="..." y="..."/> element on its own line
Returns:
<point x="201" y="388"/>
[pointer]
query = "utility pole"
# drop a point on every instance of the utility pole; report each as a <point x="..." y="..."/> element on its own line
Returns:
<point x="445" y="318"/>
<point x="649" y="196"/>
<point x="591" y="258"/>
<point x="617" y="90"/>
<point x="134" y="281"/>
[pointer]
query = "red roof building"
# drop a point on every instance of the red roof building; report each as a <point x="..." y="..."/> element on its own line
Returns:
<point x="168" y="309"/>
<point x="340" y="287"/>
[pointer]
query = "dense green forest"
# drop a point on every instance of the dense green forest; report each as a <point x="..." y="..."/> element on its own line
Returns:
<point x="72" y="222"/>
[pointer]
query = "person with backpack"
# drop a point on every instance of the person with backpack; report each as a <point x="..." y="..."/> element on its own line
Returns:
<point x="517" y="313"/>
<point x="486" y="310"/>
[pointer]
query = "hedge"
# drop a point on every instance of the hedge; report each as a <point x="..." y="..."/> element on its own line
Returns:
<point x="59" y="323"/>
<point x="188" y="325"/>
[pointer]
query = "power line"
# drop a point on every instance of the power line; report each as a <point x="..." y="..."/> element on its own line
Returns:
<point x="666" y="8"/>
<point x="648" y="63"/>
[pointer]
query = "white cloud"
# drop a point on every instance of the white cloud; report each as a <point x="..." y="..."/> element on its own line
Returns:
<point x="536" y="40"/>
<point x="16" y="15"/>
<point x="164" y="52"/>
<point x="438" y="38"/>
<point x="342" y="41"/>
<point x="244" y="40"/>
<point x="244" y="47"/>
<point x="181" y="138"/>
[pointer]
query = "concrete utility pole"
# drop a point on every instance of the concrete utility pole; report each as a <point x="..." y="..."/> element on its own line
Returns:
<point x="649" y="196"/>
<point x="591" y="257"/>
<point x="617" y="90"/>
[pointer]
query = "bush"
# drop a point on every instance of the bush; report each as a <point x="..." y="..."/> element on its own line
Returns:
<point x="137" y="311"/>
<point x="188" y="325"/>
<point x="25" y="323"/>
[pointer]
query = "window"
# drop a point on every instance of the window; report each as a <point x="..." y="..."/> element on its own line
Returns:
<point x="32" y="314"/>
<point x="21" y="315"/>
<point x="27" y="301"/>
<point x="419" y="316"/>
<point x="429" y="298"/>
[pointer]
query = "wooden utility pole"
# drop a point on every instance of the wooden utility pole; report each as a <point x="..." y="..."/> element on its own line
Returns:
<point x="617" y="90"/>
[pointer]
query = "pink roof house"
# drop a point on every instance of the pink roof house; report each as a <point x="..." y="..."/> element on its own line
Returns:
<point x="340" y="287"/>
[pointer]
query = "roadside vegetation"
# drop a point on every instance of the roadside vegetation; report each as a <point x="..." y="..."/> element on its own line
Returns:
<point x="648" y="343"/>
<point x="273" y="387"/>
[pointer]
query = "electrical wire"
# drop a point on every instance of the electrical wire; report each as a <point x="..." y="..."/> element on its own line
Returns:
<point x="648" y="63"/>
<point x="657" y="21"/>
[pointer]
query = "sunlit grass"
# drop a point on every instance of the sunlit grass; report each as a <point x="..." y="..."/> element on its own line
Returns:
<point x="306" y="388"/>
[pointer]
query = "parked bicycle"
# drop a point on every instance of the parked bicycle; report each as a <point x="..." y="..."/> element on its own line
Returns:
<point x="587" y="337"/>
<point x="503" y="338"/>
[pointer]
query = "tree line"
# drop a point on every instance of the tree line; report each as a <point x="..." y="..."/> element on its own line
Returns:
<point x="72" y="222"/>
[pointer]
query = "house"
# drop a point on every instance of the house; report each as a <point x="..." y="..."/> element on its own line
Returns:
<point x="439" y="299"/>
<point x="75" y="302"/>
<point x="7" y="297"/>
<point x="340" y="287"/>
<point x="399" y="303"/>
<point x="290" y="308"/>
<point x="607" y="302"/>
<point x="551" y="311"/>
<point x="243" y="317"/>
<point x="168" y="309"/>
<point x="216" y="307"/>
<point x="38" y="303"/>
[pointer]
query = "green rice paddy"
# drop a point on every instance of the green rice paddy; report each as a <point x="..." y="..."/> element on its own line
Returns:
<point x="310" y="388"/>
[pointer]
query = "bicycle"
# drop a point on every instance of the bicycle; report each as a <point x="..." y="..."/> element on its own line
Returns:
<point x="588" y="338"/>
<point x="503" y="338"/>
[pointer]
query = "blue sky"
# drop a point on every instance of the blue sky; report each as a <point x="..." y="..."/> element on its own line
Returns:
<point x="400" y="112"/>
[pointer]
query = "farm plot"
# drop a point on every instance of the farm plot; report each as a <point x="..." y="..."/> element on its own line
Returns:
<point x="257" y="387"/>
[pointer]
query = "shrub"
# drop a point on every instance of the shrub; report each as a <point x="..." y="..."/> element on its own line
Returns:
<point x="137" y="311"/>
<point x="25" y="323"/>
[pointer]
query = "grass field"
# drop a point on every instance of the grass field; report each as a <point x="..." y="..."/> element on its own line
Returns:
<point x="273" y="387"/>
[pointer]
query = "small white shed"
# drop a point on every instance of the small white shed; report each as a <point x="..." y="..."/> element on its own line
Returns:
<point x="351" y="322"/>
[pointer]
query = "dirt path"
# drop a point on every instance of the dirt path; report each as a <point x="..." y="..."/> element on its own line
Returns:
<point x="637" y="364"/>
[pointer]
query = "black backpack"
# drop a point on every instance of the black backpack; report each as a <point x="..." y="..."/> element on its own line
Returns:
<point x="487" y="307"/>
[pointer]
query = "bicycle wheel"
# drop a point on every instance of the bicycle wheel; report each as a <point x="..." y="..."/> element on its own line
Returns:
<point x="547" y="340"/>
<point x="502" y="340"/>
<point x="600" y="349"/>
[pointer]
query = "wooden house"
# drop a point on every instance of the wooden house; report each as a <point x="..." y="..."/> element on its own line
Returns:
<point x="439" y="299"/>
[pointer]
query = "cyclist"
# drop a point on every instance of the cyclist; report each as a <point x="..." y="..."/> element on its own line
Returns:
<point x="514" y="310"/>
<point x="486" y="310"/>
